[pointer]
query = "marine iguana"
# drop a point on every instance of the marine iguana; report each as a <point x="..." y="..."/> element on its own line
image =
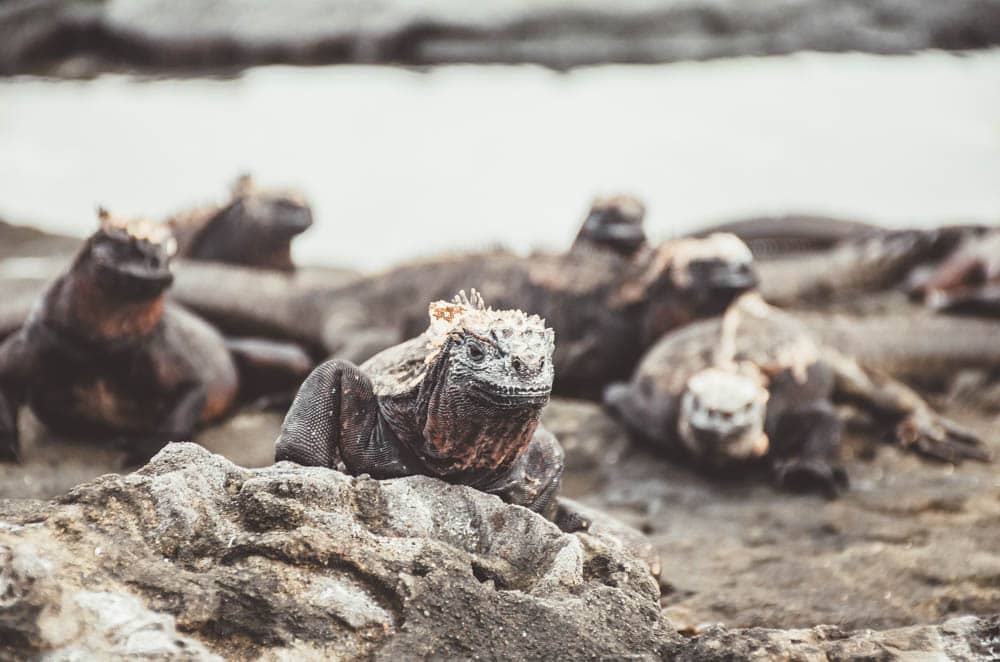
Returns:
<point x="866" y="264"/>
<point x="104" y="353"/>
<point x="614" y="224"/>
<point x="606" y="309"/>
<point x="755" y="387"/>
<point x="255" y="228"/>
<point x="460" y="402"/>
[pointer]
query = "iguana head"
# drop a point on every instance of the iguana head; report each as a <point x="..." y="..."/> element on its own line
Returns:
<point x="722" y="414"/>
<point x="501" y="358"/>
<point x="256" y="227"/>
<point x="687" y="279"/>
<point x="483" y="378"/>
<point x="615" y="223"/>
<point x="129" y="258"/>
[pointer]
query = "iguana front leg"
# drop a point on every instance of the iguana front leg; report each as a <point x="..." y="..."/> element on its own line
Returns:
<point x="14" y="361"/>
<point x="179" y="425"/>
<point x="534" y="479"/>
<point x="335" y="422"/>
<point x="917" y="426"/>
<point x="804" y="449"/>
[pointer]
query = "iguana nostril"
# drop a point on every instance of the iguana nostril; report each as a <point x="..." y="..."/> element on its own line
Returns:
<point x="517" y="364"/>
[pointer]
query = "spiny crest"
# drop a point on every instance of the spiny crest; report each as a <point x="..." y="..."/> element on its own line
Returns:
<point x="627" y="205"/>
<point x="469" y="314"/>
<point x="138" y="229"/>
<point x="246" y="187"/>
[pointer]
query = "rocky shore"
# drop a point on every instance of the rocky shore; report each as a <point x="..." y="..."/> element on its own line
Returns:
<point x="83" y="37"/>
<point x="193" y="557"/>
<point x="147" y="559"/>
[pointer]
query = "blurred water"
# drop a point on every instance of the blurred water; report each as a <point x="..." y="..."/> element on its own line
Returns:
<point x="401" y="163"/>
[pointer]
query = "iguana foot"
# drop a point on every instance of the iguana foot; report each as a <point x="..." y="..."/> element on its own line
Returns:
<point x="938" y="438"/>
<point x="811" y="475"/>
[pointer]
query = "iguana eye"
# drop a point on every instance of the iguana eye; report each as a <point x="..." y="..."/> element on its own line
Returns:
<point x="476" y="352"/>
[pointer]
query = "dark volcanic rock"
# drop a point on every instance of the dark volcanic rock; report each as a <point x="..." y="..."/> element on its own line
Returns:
<point x="82" y="37"/>
<point x="309" y="562"/>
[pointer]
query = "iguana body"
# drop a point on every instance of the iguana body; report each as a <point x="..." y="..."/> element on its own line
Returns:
<point x="103" y="353"/>
<point x="852" y="268"/>
<point x="756" y="386"/>
<point x="460" y="402"/>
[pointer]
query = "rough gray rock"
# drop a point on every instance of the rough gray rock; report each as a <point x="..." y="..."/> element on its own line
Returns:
<point x="194" y="558"/>
<point x="38" y="614"/>
<point x="82" y="37"/>
<point x="308" y="562"/>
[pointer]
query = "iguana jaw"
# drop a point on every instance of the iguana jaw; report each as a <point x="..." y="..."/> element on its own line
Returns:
<point x="513" y="398"/>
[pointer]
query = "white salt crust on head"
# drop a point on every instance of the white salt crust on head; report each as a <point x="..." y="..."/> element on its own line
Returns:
<point x="718" y="246"/>
<point x="629" y="206"/>
<point x="727" y="390"/>
<point x="517" y="332"/>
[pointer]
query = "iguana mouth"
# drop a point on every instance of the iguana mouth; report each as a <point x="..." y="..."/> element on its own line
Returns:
<point x="510" y="397"/>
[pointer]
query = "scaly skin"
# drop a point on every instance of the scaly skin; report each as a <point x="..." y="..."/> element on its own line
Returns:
<point x="803" y="376"/>
<point x="606" y="309"/>
<point x="460" y="402"/>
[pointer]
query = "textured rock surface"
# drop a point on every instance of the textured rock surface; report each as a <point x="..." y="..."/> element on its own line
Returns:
<point x="86" y="36"/>
<point x="193" y="557"/>
<point x="310" y="562"/>
<point x="911" y="542"/>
